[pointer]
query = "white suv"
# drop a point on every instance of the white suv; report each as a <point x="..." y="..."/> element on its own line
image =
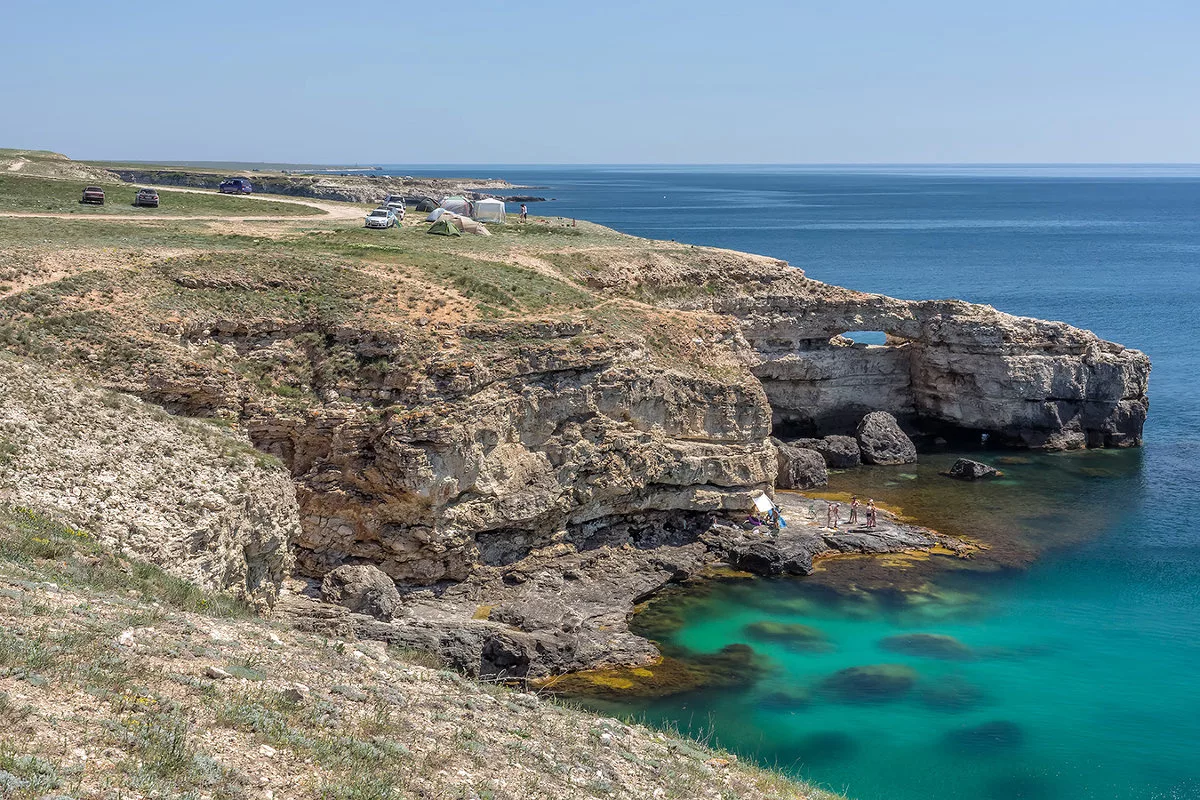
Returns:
<point x="396" y="203"/>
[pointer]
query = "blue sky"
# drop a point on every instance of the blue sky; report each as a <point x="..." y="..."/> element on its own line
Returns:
<point x="604" y="82"/>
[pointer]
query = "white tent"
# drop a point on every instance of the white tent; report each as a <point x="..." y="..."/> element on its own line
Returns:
<point x="433" y="215"/>
<point x="459" y="205"/>
<point x="489" y="210"/>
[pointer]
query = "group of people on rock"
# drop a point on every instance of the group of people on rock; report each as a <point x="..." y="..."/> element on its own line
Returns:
<point x="833" y="513"/>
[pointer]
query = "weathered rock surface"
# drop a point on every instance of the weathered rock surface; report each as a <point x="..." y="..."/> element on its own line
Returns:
<point x="947" y="365"/>
<point x="967" y="470"/>
<point x="799" y="468"/>
<point x="839" y="452"/>
<point x="362" y="588"/>
<point x="567" y="607"/>
<point x="881" y="441"/>
<point x="189" y="496"/>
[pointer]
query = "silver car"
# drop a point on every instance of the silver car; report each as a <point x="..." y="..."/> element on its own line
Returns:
<point x="380" y="218"/>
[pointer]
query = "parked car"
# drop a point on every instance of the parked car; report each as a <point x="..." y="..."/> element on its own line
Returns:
<point x="394" y="202"/>
<point x="235" y="186"/>
<point x="146" y="197"/>
<point x="380" y="218"/>
<point x="93" y="194"/>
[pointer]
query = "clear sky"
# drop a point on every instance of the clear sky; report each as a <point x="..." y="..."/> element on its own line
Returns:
<point x="536" y="81"/>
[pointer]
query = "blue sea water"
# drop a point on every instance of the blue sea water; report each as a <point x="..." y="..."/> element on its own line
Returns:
<point x="1080" y="676"/>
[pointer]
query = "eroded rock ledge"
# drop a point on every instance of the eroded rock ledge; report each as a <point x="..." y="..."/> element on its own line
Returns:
<point x="567" y="607"/>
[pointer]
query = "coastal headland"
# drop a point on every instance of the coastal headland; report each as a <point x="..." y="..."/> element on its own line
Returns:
<point x="528" y="432"/>
<point x="488" y="448"/>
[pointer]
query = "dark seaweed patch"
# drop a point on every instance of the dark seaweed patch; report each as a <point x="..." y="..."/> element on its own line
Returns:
<point x="876" y="683"/>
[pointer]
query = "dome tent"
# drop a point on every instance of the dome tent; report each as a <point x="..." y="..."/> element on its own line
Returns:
<point x="444" y="227"/>
<point x="490" y="210"/>
<point x="458" y="204"/>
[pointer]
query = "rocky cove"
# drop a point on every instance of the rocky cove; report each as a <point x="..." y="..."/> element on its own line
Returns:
<point x="523" y="438"/>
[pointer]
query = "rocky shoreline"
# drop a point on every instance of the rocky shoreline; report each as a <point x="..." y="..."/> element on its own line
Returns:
<point x="565" y="609"/>
<point x="529" y="434"/>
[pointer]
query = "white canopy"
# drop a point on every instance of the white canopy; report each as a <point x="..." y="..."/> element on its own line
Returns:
<point x="763" y="503"/>
<point x="489" y="210"/>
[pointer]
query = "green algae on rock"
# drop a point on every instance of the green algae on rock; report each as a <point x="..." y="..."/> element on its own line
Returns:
<point x="873" y="683"/>
<point x="790" y="634"/>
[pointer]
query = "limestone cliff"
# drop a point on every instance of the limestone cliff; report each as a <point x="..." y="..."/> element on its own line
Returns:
<point x="948" y="366"/>
<point x="191" y="497"/>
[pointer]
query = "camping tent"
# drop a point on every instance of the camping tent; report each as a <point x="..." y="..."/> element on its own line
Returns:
<point x="489" y="210"/>
<point x="457" y="204"/>
<point x="444" y="227"/>
<point x="468" y="225"/>
<point x="435" y="215"/>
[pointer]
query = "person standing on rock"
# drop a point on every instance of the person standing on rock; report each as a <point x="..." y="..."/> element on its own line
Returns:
<point x="853" y="511"/>
<point x="831" y="516"/>
<point x="871" y="520"/>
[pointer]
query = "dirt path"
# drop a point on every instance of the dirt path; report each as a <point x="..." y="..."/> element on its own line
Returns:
<point x="331" y="210"/>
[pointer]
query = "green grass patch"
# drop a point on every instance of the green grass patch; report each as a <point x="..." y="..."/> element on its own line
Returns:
<point x="71" y="556"/>
<point x="46" y="195"/>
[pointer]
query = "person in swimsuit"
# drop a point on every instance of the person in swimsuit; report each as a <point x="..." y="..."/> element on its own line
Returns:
<point x="853" y="511"/>
<point x="871" y="521"/>
<point x="837" y="512"/>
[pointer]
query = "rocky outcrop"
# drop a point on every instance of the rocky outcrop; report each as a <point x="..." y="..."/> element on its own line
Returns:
<point x="493" y="457"/>
<point x="839" y="452"/>
<point x="799" y="468"/>
<point x="968" y="470"/>
<point x="881" y="441"/>
<point x="190" y="496"/>
<point x="361" y="588"/>
<point x="567" y="607"/>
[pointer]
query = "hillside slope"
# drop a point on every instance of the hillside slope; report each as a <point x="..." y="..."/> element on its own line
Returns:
<point x="116" y="680"/>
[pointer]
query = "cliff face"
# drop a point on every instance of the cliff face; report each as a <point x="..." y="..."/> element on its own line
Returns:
<point x="947" y="366"/>
<point x="194" y="498"/>
<point x="489" y="454"/>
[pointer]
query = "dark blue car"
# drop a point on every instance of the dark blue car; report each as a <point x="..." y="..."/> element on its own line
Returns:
<point x="235" y="186"/>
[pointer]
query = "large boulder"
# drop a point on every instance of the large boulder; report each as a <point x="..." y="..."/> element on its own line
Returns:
<point x="967" y="470"/>
<point x="839" y="452"/>
<point x="881" y="441"/>
<point x="799" y="468"/>
<point x="363" y="588"/>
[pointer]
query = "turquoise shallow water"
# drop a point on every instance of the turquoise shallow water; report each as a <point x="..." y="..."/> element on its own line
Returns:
<point x="1078" y="674"/>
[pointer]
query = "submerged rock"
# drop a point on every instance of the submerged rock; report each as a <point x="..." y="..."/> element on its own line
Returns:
<point x="363" y="588"/>
<point x="967" y="470"/>
<point x="875" y="683"/>
<point x="791" y="634"/>
<point x="985" y="738"/>
<point x="799" y="468"/>
<point x="928" y="645"/>
<point x="881" y="441"/>
<point x="952" y="694"/>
